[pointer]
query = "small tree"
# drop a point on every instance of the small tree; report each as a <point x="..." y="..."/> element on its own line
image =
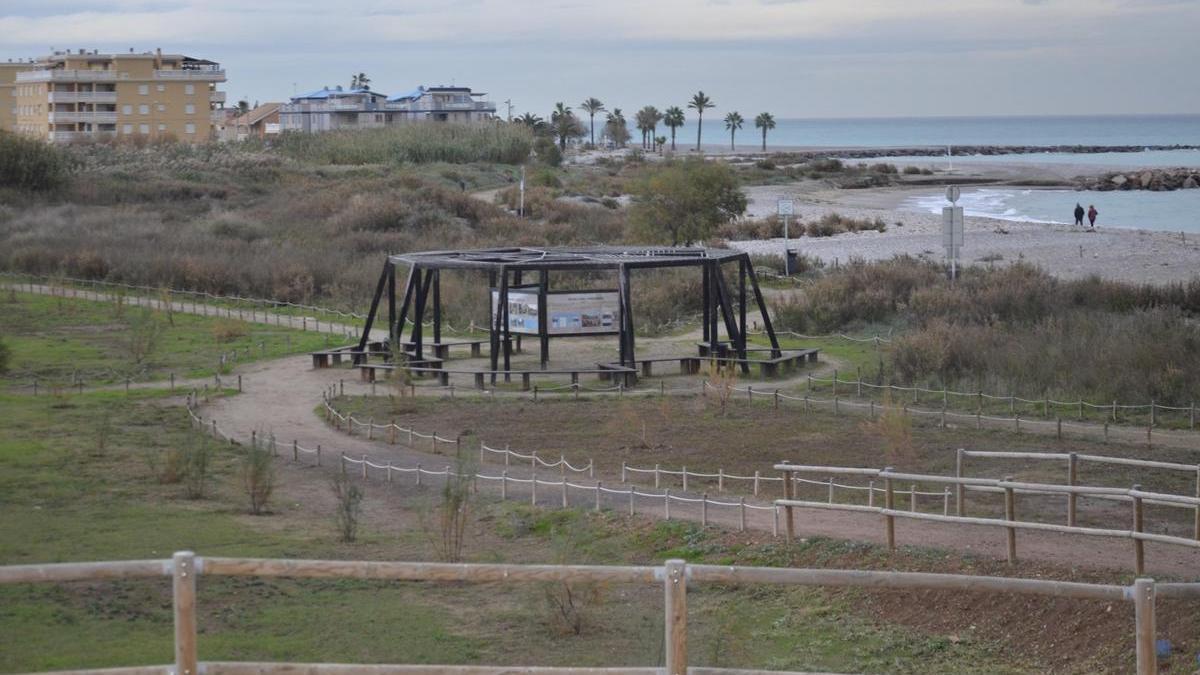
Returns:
<point x="349" y="497"/>
<point x="453" y="512"/>
<point x="194" y="467"/>
<point x="722" y="379"/>
<point x="685" y="202"/>
<point x="143" y="334"/>
<point x="5" y="356"/>
<point x="258" y="477"/>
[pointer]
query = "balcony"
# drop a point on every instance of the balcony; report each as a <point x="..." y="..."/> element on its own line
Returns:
<point x="59" y="75"/>
<point x="83" y="97"/>
<point x="95" y="116"/>
<point x="69" y="136"/>
<point x="216" y="97"/>
<point x="191" y="75"/>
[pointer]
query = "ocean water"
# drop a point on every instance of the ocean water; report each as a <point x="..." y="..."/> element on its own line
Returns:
<point x="1114" y="160"/>
<point x="1177" y="211"/>
<point x="940" y="131"/>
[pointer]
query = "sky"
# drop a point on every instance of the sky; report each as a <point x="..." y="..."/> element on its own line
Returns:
<point x="793" y="58"/>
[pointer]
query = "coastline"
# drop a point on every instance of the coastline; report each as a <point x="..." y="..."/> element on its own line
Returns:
<point x="1135" y="255"/>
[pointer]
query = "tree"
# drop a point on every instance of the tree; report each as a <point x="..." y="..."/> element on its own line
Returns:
<point x="684" y="202"/>
<point x="700" y="102"/>
<point x="360" y="81"/>
<point x="733" y="122"/>
<point x="243" y="107"/>
<point x="648" y="119"/>
<point x="764" y="121"/>
<point x="673" y="119"/>
<point x="643" y="125"/>
<point x="564" y="124"/>
<point x="534" y="122"/>
<point x="615" y="128"/>
<point x="591" y="107"/>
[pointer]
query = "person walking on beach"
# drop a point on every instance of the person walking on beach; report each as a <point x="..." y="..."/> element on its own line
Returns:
<point x="1079" y="214"/>
<point x="1092" y="213"/>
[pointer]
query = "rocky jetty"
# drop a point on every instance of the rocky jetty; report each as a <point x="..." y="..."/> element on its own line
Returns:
<point x="1157" y="180"/>
<point x="968" y="150"/>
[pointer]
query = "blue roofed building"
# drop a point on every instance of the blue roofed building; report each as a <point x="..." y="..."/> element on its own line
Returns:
<point x="329" y="109"/>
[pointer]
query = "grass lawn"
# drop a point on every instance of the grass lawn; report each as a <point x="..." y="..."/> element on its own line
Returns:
<point x="53" y="338"/>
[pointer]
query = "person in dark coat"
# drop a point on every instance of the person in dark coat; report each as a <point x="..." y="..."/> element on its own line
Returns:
<point x="1092" y="213"/>
<point x="1079" y="214"/>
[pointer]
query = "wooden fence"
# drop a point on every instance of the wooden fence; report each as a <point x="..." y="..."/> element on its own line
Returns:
<point x="674" y="575"/>
<point x="1008" y="487"/>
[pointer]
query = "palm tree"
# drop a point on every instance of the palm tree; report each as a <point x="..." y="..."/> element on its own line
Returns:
<point x="614" y="126"/>
<point x="592" y="106"/>
<point x="764" y="121"/>
<point x="733" y="122"/>
<point x="648" y="119"/>
<point x="654" y="117"/>
<point x="563" y="121"/>
<point x="642" y="123"/>
<point x="360" y="81"/>
<point x="674" y="119"/>
<point x="700" y="102"/>
<point x="532" y="121"/>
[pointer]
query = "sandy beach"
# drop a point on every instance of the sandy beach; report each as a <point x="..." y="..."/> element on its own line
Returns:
<point x="1063" y="250"/>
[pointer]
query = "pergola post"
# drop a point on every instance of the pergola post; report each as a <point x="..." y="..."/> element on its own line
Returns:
<point x="418" y="331"/>
<point x="737" y="340"/>
<point x="626" y="332"/>
<point x="437" y="306"/>
<point x="499" y="320"/>
<point x="391" y="299"/>
<point x="366" y="334"/>
<point x="505" y="336"/>
<point x="404" y="305"/>
<point x="543" y="328"/>
<point x="742" y="300"/>
<point x="704" y="285"/>
<point x="711" y="302"/>
<point x="762" y="308"/>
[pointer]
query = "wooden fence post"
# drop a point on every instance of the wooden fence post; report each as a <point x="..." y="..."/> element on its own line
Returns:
<point x="631" y="500"/>
<point x="685" y="475"/>
<point x="1010" y="514"/>
<point x="871" y="493"/>
<point x="667" y="504"/>
<point x="184" y="591"/>
<point x="1139" y="547"/>
<point x="1146" y="628"/>
<point x="741" y="514"/>
<point x="959" y="489"/>
<point x="533" y="493"/>
<point x="504" y="484"/>
<point x="1072" y="477"/>
<point x="564" y="492"/>
<point x="757" y="478"/>
<point x="704" y="510"/>
<point x="1196" y="528"/>
<point x="889" y="503"/>
<point x="295" y="451"/>
<point x="656" y="479"/>
<point x="598" y="486"/>
<point x="788" y="491"/>
<point x="675" y="622"/>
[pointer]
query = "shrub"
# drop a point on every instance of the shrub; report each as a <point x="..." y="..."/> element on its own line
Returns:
<point x="834" y="223"/>
<point x="30" y="164"/>
<point x="685" y="202"/>
<point x="143" y="333"/>
<point x="5" y="356"/>
<point x="258" y="477"/>
<point x="348" y="511"/>
<point x="194" y="465"/>
<point x="228" y="330"/>
<point x="911" y="171"/>
<point x="416" y="143"/>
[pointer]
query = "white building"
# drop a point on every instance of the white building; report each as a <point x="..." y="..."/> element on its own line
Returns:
<point x="337" y="108"/>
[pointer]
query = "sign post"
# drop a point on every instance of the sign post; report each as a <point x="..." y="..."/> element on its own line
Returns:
<point x="952" y="229"/>
<point x="786" y="208"/>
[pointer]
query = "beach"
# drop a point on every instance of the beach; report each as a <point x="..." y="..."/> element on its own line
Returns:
<point x="1063" y="250"/>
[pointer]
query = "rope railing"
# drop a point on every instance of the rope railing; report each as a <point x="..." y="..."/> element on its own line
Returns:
<point x="1010" y="488"/>
<point x="1043" y="405"/>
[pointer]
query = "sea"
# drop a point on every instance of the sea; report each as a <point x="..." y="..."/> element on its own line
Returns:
<point x="908" y="132"/>
<point x="1177" y="211"/>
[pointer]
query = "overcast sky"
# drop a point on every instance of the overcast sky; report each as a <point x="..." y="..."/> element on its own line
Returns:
<point x="794" y="58"/>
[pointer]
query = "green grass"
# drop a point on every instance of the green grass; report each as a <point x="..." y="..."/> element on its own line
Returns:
<point x="53" y="338"/>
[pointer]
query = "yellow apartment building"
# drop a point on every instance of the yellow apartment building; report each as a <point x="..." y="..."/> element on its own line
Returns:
<point x="71" y="96"/>
<point x="8" y="94"/>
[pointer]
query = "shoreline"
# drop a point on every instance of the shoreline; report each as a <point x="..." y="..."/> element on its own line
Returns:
<point x="1125" y="254"/>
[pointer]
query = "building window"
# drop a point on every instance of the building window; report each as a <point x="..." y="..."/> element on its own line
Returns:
<point x="189" y="89"/>
<point x="144" y="89"/>
<point x="189" y="128"/>
<point x="126" y="110"/>
<point x="127" y="128"/>
<point x="143" y="109"/>
<point x="189" y="109"/>
<point x="161" y="108"/>
<point x="160" y="87"/>
<point x="162" y="127"/>
<point x="143" y="128"/>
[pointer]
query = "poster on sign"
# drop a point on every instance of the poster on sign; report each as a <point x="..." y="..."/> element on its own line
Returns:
<point x="582" y="313"/>
<point x="571" y="313"/>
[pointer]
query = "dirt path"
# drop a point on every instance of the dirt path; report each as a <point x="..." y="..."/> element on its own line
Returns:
<point x="282" y="397"/>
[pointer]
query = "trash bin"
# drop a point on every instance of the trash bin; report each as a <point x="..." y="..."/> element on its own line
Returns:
<point x="789" y="262"/>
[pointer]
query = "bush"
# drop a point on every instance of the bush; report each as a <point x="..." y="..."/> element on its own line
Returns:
<point x="194" y="464"/>
<point x="911" y="171"/>
<point x="5" y="356"/>
<point x="258" y="477"/>
<point x="30" y="164"/>
<point x="419" y="143"/>
<point x="348" y="511"/>
<point x="685" y="202"/>
<point x="833" y="223"/>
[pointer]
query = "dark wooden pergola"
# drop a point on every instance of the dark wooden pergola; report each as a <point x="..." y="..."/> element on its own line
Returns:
<point x="506" y="269"/>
